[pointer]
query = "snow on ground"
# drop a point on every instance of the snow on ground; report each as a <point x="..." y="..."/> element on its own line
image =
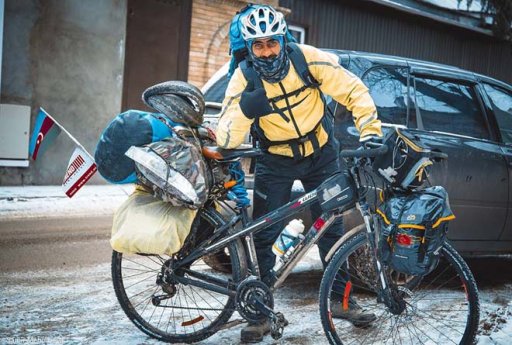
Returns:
<point x="46" y="201"/>
<point x="500" y="335"/>
<point x="496" y="316"/>
<point x="79" y="306"/>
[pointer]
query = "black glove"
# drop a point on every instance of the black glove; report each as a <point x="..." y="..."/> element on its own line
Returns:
<point x="373" y="142"/>
<point x="254" y="102"/>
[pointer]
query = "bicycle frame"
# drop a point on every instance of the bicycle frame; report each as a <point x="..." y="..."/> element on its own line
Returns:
<point x="315" y="232"/>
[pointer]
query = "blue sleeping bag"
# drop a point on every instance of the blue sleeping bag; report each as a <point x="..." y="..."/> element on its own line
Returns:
<point x="131" y="128"/>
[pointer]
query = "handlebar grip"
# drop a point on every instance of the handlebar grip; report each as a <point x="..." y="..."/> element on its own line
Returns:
<point x="364" y="153"/>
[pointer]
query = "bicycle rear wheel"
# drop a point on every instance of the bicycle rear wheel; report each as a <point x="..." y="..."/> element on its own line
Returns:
<point x="440" y="308"/>
<point x="165" y="309"/>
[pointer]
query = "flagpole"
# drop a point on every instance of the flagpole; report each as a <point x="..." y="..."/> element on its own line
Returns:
<point x="69" y="134"/>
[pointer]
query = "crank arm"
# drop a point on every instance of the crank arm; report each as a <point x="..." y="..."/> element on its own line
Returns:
<point x="277" y="321"/>
<point x="261" y="307"/>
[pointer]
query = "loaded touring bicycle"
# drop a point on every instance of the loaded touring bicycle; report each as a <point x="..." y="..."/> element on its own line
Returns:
<point x="397" y="265"/>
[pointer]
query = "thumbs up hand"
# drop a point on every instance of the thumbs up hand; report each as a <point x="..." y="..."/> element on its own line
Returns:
<point x="254" y="102"/>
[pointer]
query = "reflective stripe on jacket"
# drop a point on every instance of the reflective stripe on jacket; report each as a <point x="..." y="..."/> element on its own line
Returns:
<point x="305" y="109"/>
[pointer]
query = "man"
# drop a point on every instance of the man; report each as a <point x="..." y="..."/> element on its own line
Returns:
<point x="294" y="130"/>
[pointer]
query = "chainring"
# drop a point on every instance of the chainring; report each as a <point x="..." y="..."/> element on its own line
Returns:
<point x="249" y="290"/>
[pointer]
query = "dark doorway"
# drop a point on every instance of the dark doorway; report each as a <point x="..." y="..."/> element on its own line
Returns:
<point x="157" y="46"/>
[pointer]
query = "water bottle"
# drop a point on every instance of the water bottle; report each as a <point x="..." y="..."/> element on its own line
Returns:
<point x="287" y="240"/>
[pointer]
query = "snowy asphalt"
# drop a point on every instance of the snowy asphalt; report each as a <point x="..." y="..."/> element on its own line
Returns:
<point x="50" y="294"/>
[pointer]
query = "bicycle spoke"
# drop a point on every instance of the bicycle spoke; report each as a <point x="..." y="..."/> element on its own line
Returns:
<point x="171" y="317"/>
<point x="206" y="302"/>
<point x="433" y="326"/>
<point x="137" y="274"/>
<point x="148" y="302"/>
<point x="447" y="323"/>
<point x="136" y="269"/>
<point x="425" y="334"/>
<point x="356" y="286"/>
<point x="151" y="258"/>
<point x="410" y="335"/>
<point x="140" y="281"/>
<point x="422" y="295"/>
<point x="437" y="308"/>
<point x="161" y="315"/>
<point x="139" y="264"/>
<point x="189" y="311"/>
<point x="140" y="293"/>
<point x="381" y="320"/>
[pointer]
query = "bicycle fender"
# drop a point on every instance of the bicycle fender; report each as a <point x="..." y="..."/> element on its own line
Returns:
<point x="345" y="237"/>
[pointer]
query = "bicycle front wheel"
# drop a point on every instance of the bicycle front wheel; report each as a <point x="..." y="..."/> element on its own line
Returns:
<point x="166" y="310"/>
<point x="440" y="308"/>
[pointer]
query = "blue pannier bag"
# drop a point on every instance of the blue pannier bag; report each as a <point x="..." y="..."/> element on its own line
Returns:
<point x="237" y="46"/>
<point x="131" y="128"/>
<point x="413" y="228"/>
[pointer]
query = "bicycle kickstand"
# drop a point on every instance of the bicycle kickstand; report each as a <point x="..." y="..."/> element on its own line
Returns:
<point x="277" y="320"/>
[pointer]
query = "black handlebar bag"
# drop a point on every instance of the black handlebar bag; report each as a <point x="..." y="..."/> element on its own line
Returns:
<point x="405" y="164"/>
<point x="413" y="227"/>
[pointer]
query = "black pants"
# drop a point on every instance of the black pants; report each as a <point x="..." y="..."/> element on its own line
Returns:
<point x="274" y="177"/>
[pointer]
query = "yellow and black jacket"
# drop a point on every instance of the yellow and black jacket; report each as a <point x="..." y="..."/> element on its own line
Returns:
<point x="305" y="109"/>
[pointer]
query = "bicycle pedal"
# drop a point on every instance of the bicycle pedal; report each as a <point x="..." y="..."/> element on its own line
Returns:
<point x="277" y="325"/>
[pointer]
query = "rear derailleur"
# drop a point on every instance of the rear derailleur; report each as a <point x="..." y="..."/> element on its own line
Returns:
<point x="167" y="284"/>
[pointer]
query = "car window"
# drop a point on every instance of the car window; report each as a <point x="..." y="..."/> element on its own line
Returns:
<point x="501" y="101"/>
<point x="449" y="107"/>
<point x="217" y="91"/>
<point x="388" y="88"/>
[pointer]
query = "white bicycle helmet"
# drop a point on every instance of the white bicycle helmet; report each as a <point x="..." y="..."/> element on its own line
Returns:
<point x="263" y="21"/>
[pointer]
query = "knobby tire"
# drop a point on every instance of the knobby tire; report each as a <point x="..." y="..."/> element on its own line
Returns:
<point x="192" y="314"/>
<point x="443" y="309"/>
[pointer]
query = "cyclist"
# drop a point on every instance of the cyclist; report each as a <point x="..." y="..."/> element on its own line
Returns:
<point x="294" y="129"/>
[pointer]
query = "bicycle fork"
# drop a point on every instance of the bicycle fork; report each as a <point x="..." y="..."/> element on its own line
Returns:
<point x="393" y="302"/>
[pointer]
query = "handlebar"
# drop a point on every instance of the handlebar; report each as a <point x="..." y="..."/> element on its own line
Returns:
<point x="382" y="150"/>
<point x="367" y="153"/>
